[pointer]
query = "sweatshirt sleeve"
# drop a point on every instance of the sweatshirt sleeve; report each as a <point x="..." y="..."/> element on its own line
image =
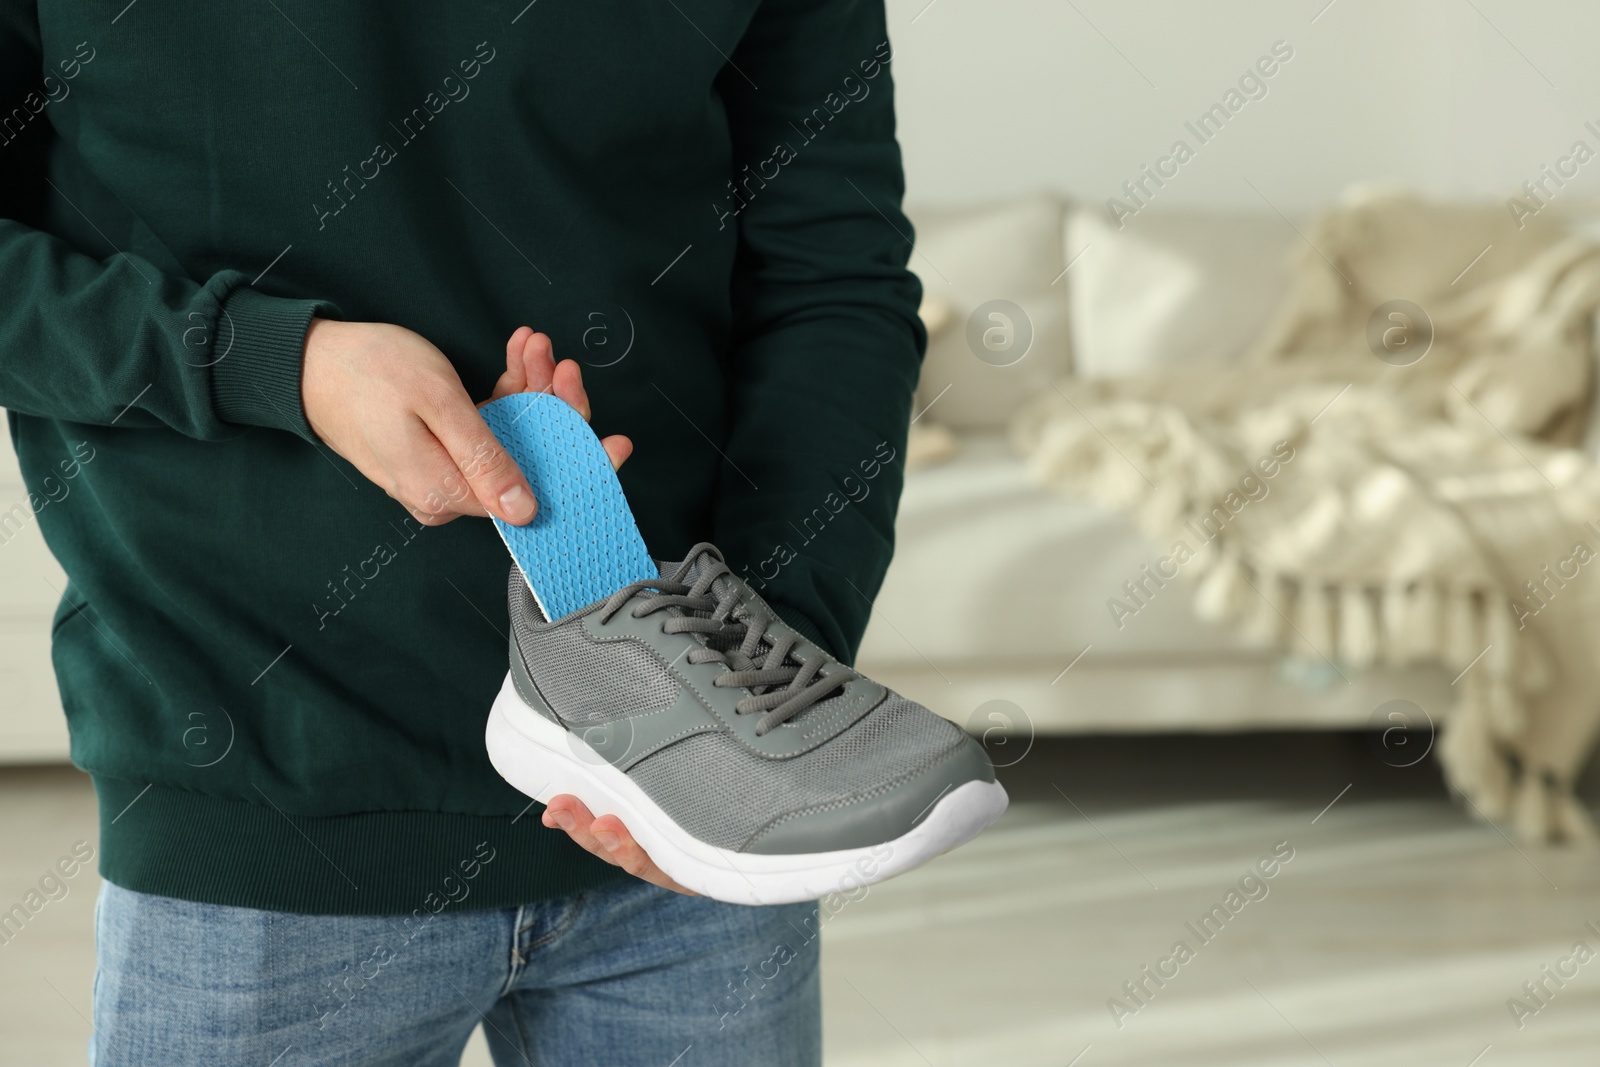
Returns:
<point x="827" y="344"/>
<point x="113" y="339"/>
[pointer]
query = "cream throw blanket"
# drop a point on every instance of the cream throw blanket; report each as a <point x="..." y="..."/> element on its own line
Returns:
<point x="1435" y="512"/>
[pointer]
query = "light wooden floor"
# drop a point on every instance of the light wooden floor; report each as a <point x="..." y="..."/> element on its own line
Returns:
<point x="1395" y="935"/>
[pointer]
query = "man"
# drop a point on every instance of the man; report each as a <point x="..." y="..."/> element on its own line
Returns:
<point x="263" y="259"/>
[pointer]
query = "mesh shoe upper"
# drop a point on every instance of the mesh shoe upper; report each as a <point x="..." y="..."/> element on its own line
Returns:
<point x="727" y="796"/>
<point x="712" y="783"/>
<point x="587" y="683"/>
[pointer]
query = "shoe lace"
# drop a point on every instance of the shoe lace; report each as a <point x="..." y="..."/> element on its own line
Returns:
<point x="782" y="683"/>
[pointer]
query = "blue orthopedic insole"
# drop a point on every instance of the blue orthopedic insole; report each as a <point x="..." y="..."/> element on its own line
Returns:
<point x="583" y="545"/>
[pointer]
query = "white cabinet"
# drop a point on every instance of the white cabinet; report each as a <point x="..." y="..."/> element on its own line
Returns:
<point x="32" y="729"/>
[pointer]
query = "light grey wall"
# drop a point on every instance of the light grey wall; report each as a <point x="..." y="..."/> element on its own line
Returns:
<point x="1458" y="97"/>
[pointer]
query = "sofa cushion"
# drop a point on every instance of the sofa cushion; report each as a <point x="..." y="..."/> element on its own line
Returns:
<point x="1171" y="287"/>
<point x="1010" y="252"/>
<point x="992" y="569"/>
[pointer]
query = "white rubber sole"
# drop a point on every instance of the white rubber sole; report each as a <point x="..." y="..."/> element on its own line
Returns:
<point x="544" y="760"/>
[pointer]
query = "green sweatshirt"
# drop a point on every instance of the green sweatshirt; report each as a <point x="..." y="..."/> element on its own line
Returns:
<point x="278" y="680"/>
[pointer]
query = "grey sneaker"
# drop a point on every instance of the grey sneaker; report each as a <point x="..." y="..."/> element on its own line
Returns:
<point x="753" y="767"/>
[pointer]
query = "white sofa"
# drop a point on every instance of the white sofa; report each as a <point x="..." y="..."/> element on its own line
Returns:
<point x="32" y="728"/>
<point x="998" y="585"/>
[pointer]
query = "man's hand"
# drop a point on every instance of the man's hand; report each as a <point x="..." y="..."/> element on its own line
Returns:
<point x="392" y="404"/>
<point x="607" y="838"/>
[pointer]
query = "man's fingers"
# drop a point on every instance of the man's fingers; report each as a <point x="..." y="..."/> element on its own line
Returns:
<point x="621" y="849"/>
<point x="515" y="343"/>
<point x="618" y="447"/>
<point x="515" y="378"/>
<point x="495" y="479"/>
<point x="544" y="375"/>
<point x="607" y="838"/>
<point x="624" y="851"/>
<point x="567" y="383"/>
<point x="568" y="813"/>
<point x="537" y="356"/>
<point x="530" y="364"/>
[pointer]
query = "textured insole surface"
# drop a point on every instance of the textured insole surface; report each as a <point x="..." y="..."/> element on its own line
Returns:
<point x="584" y="543"/>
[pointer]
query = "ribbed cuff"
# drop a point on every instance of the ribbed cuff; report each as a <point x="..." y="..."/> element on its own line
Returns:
<point x="256" y="379"/>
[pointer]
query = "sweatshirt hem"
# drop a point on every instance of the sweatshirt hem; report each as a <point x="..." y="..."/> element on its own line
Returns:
<point x="191" y="846"/>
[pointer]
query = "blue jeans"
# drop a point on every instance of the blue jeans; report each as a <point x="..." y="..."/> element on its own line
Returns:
<point x="627" y="974"/>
